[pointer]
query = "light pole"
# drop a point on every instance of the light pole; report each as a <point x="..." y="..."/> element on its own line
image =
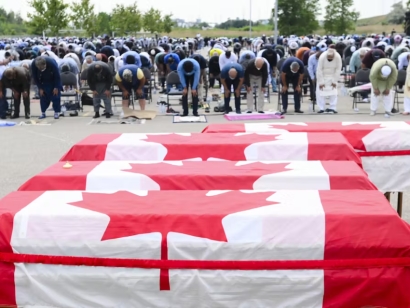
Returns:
<point x="250" y="18"/>
<point x="276" y="21"/>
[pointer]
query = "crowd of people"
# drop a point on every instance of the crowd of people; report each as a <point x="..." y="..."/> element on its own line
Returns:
<point x="242" y="67"/>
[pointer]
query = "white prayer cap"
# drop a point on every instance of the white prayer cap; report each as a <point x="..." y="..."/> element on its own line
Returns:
<point x="153" y="52"/>
<point x="293" y="45"/>
<point x="127" y="75"/>
<point x="331" y="52"/>
<point x="353" y="48"/>
<point x="386" y="71"/>
<point x="362" y="51"/>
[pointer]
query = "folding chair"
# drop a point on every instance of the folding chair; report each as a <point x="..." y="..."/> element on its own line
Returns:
<point x="83" y="78"/>
<point x="398" y="87"/>
<point x="306" y="83"/>
<point x="173" y="78"/>
<point x="9" y="96"/>
<point x="290" y="93"/>
<point x="117" y="93"/>
<point x="69" y="79"/>
<point x="148" y="83"/>
<point x="362" y="77"/>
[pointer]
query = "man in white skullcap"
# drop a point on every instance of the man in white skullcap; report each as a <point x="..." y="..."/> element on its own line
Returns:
<point x="327" y="75"/>
<point x="383" y="76"/>
<point x="293" y="46"/>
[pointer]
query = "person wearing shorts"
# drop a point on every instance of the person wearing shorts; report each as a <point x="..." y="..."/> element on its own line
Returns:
<point x="129" y="78"/>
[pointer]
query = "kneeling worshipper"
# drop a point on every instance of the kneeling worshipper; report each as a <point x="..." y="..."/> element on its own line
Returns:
<point x="383" y="76"/>
<point x="327" y="75"/>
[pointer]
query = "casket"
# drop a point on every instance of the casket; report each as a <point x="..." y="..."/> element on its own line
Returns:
<point x="202" y="249"/>
<point x="383" y="146"/>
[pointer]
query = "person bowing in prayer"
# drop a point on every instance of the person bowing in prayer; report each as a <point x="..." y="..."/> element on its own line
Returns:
<point x="327" y="75"/>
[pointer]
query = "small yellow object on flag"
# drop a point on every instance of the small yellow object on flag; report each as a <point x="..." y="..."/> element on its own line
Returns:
<point x="67" y="165"/>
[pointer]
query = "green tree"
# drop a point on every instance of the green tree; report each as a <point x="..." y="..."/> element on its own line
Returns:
<point x="340" y="17"/>
<point x="396" y="15"/>
<point x="103" y="23"/>
<point x="297" y="17"/>
<point x="83" y="16"/>
<point x="48" y="14"/>
<point x="11" y="23"/>
<point x="167" y="24"/>
<point x="151" y="21"/>
<point x="126" y="19"/>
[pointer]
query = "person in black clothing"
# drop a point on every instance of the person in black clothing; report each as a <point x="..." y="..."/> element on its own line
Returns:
<point x="99" y="78"/>
<point x="292" y="73"/>
<point x="214" y="71"/>
<point x="256" y="73"/>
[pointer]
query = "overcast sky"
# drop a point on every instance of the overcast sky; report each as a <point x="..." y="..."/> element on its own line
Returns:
<point x="214" y="11"/>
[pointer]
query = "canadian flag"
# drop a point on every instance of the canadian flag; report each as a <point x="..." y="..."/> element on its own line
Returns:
<point x="235" y="147"/>
<point x="206" y="175"/>
<point x="383" y="146"/>
<point x="318" y="231"/>
<point x="363" y="136"/>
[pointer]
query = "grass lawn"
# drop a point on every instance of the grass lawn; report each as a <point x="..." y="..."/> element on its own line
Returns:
<point x="376" y="24"/>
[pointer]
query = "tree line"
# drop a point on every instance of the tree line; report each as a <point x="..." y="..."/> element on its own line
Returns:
<point x="52" y="16"/>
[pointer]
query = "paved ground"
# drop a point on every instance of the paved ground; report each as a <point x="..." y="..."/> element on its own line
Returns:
<point x="27" y="150"/>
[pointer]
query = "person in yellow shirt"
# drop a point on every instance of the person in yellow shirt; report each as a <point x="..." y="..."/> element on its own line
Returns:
<point x="215" y="50"/>
<point x="129" y="78"/>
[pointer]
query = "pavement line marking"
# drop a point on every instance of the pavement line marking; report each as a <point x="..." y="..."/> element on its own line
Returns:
<point x="47" y="136"/>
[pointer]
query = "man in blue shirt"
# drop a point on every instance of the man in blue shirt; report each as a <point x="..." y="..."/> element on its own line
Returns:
<point x="202" y="65"/>
<point x="292" y="72"/>
<point x="312" y="67"/>
<point x="135" y="57"/>
<point x="129" y="78"/>
<point x="46" y="76"/>
<point x="232" y="75"/>
<point x="172" y="60"/>
<point x="189" y="72"/>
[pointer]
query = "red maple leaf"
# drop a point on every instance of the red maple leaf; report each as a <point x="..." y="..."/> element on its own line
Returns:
<point x="209" y="175"/>
<point x="354" y="133"/>
<point x="188" y="212"/>
<point x="223" y="146"/>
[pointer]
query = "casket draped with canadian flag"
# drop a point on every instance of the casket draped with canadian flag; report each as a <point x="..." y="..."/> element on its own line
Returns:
<point x="204" y="147"/>
<point x="383" y="146"/>
<point x="310" y="249"/>
<point x="204" y="175"/>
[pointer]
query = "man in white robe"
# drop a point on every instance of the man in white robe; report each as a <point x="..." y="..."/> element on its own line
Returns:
<point x="327" y="76"/>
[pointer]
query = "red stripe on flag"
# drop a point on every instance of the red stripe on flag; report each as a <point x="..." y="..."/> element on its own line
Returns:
<point x="58" y="178"/>
<point x="360" y="229"/>
<point x="94" y="146"/>
<point x="343" y="175"/>
<point x="384" y="153"/>
<point x="225" y="128"/>
<point x="347" y="264"/>
<point x="340" y="149"/>
<point x="9" y="206"/>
